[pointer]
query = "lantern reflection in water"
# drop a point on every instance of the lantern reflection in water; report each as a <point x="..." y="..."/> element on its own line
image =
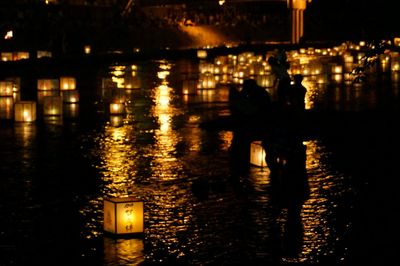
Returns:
<point x="70" y="96"/>
<point x="71" y="110"/>
<point x="123" y="251"/>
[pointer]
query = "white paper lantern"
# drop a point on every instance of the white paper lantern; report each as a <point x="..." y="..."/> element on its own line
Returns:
<point x="123" y="216"/>
<point x="117" y="108"/>
<point x="6" y="88"/>
<point x="25" y="111"/>
<point x="52" y="105"/>
<point x="6" y="107"/>
<point x="257" y="154"/>
<point x="67" y="83"/>
<point x="48" y="84"/>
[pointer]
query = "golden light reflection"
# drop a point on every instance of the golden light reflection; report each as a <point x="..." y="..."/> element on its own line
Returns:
<point x="123" y="251"/>
<point x="317" y="209"/>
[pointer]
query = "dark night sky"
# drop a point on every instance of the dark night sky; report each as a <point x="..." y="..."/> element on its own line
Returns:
<point x="353" y="18"/>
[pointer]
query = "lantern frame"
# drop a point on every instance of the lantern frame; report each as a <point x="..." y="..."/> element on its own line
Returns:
<point x="115" y="208"/>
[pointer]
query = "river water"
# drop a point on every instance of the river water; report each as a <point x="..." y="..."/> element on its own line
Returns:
<point x="202" y="207"/>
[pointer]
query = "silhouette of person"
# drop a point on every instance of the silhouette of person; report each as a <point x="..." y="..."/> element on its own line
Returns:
<point x="298" y="93"/>
<point x="282" y="79"/>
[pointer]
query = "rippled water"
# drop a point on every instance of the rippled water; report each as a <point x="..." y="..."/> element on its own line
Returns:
<point x="201" y="206"/>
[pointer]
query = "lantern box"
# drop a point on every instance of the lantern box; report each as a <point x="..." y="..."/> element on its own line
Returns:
<point x="202" y="54"/>
<point x="70" y="96"/>
<point x="25" y="111"/>
<point x="117" y="108"/>
<point x="207" y="81"/>
<point x="6" y="88"/>
<point x="123" y="216"/>
<point x="48" y="84"/>
<point x="257" y="154"/>
<point x="6" y="107"/>
<point x="43" y="54"/>
<point x="67" y="83"/>
<point x="52" y="105"/>
<point x="6" y="56"/>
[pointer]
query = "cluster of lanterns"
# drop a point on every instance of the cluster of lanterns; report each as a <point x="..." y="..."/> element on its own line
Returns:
<point x="54" y="97"/>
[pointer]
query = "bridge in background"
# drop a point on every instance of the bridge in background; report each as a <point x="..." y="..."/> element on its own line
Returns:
<point x="296" y="7"/>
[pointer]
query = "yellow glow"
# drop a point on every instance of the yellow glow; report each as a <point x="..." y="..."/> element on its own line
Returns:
<point x="203" y="36"/>
<point x="68" y="83"/>
<point x="87" y="49"/>
<point x="9" y="35"/>
<point x="257" y="154"/>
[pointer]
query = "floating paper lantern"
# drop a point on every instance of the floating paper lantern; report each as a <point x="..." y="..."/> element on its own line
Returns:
<point x="25" y="111"/>
<point x="48" y="84"/>
<point x="6" y="88"/>
<point x="87" y="49"/>
<point x="257" y="154"/>
<point x="6" y="107"/>
<point x="67" y="83"/>
<point x="52" y="105"/>
<point x="6" y="56"/>
<point x="20" y="56"/>
<point x="70" y="96"/>
<point x="43" y="54"/>
<point x="202" y="54"/>
<point x="207" y="81"/>
<point x="123" y="216"/>
<point x="117" y="108"/>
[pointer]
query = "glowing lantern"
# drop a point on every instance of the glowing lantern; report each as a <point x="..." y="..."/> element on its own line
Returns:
<point x="48" y="84"/>
<point x="202" y="54"/>
<point x="5" y="56"/>
<point x="70" y="96"/>
<point x="207" y="81"/>
<point x="117" y="108"/>
<point x="20" y="56"/>
<point x="43" y="54"/>
<point x="6" y="107"/>
<point x="25" y="111"/>
<point x="123" y="216"/>
<point x="67" y="83"/>
<point x="6" y="88"/>
<point x="87" y="49"/>
<point x="257" y="154"/>
<point x="266" y="81"/>
<point x="52" y="105"/>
